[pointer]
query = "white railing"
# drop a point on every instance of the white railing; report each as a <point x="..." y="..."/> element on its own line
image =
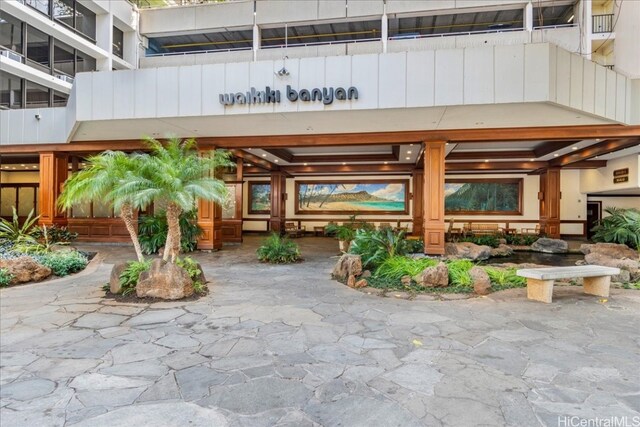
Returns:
<point x="64" y="77"/>
<point x="8" y="53"/>
<point x="548" y="27"/>
<point x="193" y="52"/>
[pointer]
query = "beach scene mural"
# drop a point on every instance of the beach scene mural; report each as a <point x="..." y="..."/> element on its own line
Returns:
<point x="351" y="197"/>
<point x="479" y="197"/>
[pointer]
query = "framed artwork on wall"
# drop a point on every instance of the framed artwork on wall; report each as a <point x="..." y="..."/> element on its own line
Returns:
<point x="352" y="197"/>
<point x="491" y="196"/>
<point x="259" y="197"/>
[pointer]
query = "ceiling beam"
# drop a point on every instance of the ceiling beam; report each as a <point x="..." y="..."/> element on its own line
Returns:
<point x="549" y="147"/>
<point x="312" y="169"/>
<point x="600" y="149"/>
<point x="338" y="158"/>
<point x="490" y="166"/>
<point x="471" y="155"/>
<point x="253" y="159"/>
<point x="587" y="164"/>
<point x="281" y="153"/>
<point x="18" y="160"/>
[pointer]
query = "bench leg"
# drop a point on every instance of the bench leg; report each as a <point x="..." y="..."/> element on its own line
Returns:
<point x="540" y="290"/>
<point x="597" y="285"/>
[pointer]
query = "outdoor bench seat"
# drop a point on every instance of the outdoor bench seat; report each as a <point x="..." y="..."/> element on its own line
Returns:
<point x="596" y="280"/>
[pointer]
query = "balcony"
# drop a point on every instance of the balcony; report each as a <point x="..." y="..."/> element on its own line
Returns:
<point x="602" y="23"/>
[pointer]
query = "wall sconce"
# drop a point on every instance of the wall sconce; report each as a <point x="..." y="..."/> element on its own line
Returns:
<point x="38" y="116"/>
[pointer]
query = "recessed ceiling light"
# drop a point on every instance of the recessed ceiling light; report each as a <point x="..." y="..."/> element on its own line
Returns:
<point x="344" y="163"/>
<point x="277" y="160"/>
<point x="446" y="143"/>
<point x="249" y="165"/>
<point x="23" y="165"/>
<point x="249" y="149"/>
<point x="598" y="140"/>
<point x="556" y="155"/>
<point x="410" y="145"/>
<point x="306" y="164"/>
<point x="264" y="155"/>
<point x="408" y="158"/>
<point x="531" y="160"/>
<point x="574" y="148"/>
<point x="486" y="161"/>
<point x="386" y="163"/>
<point x="34" y="166"/>
<point x="409" y="152"/>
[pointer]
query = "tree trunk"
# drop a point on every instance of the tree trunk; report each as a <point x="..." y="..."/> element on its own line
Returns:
<point x="126" y="213"/>
<point x="173" y="235"/>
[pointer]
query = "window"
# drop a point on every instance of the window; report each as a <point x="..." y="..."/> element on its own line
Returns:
<point x="84" y="62"/>
<point x="24" y="197"/>
<point x="10" y="91"/>
<point x="39" y="5"/>
<point x="63" y="58"/>
<point x="38" y="48"/>
<point x="85" y="21"/>
<point x="37" y="96"/>
<point x="63" y="12"/>
<point x="11" y="33"/>
<point x="76" y="16"/>
<point x="59" y="99"/>
<point x="118" y="42"/>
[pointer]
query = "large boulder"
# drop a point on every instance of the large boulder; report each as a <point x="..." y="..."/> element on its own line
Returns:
<point x="467" y="250"/>
<point x="630" y="268"/>
<point x="481" y="281"/>
<point x="434" y="277"/>
<point x="501" y="251"/>
<point x="114" y="279"/>
<point x="347" y="265"/>
<point x="25" y="269"/>
<point x="550" y="246"/>
<point x="165" y="281"/>
<point x="613" y="250"/>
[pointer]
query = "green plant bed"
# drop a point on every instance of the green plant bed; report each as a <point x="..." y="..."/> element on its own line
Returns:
<point x="5" y="277"/>
<point x="488" y="240"/>
<point x="153" y="229"/>
<point x="396" y="267"/>
<point x="278" y="250"/>
<point x="621" y="226"/>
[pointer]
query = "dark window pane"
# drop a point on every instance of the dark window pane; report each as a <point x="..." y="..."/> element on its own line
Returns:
<point x="10" y="91"/>
<point x="10" y="33"/>
<point x="63" y="58"/>
<point x="39" y="5"/>
<point x="85" y="21"/>
<point x="63" y="12"/>
<point x="85" y="63"/>
<point x="37" y="96"/>
<point x="59" y="99"/>
<point x="118" y="42"/>
<point x="37" y="47"/>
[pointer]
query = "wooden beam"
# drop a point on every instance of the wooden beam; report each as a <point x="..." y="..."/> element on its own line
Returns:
<point x="586" y="164"/>
<point x="337" y="158"/>
<point x="19" y="160"/>
<point x="251" y="158"/>
<point x="281" y="153"/>
<point x="549" y="147"/>
<point x="602" y="148"/>
<point x="491" y="166"/>
<point x="470" y="155"/>
<point x="311" y="169"/>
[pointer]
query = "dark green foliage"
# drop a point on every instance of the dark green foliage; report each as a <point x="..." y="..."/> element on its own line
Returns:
<point x="152" y="231"/>
<point x="12" y="230"/>
<point x="347" y="231"/>
<point x="63" y="263"/>
<point x="375" y="246"/>
<point x="487" y="240"/>
<point x="395" y="267"/>
<point x="5" y="277"/>
<point x="415" y="246"/>
<point x="505" y="278"/>
<point x="459" y="273"/>
<point x="278" y="250"/>
<point x="190" y="265"/>
<point x="621" y="226"/>
<point x="521" y="239"/>
<point x="484" y="196"/>
<point x="130" y="275"/>
<point x="54" y="234"/>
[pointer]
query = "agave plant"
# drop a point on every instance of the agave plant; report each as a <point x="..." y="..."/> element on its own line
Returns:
<point x="621" y="226"/>
<point x="13" y="231"/>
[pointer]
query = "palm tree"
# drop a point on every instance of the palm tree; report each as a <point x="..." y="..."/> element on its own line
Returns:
<point x="178" y="176"/>
<point x="100" y="180"/>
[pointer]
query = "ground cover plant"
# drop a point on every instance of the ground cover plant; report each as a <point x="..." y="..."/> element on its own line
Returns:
<point x="487" y="240"/>
<point x="521" y="239"/>
<point x="5" y="277"/>
<point x="153" y="230"/>
<point x="277" y="249"/>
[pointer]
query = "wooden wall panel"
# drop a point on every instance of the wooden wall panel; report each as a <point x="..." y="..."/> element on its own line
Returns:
<point x="418" y="204"/>
<point x="54" y="170"/>
<point x="278" y="201"/>
<point x="550" y="202"/>
<point x="434" y="225"/>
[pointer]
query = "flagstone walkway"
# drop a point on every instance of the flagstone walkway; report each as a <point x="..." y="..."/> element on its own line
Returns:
<point x="286" y="346"/>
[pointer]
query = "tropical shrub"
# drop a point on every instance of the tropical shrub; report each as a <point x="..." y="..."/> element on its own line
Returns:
<point x="153" y="229"/>
<point x="347" y="231"/>
<point x="63" y="263"/>
<point x="5" y="277"/>
<point x="12" y="230"/>
<point x="504" y="278"/>
<point x="621" y="226"/>
<point x="395" y="267"/>
<point x="487" y="240"/>
<point x="130" y="275"/>
<point x="375" y="246"/>
<point x="521" y="239"/>
<point x="459" y="273"/>
<point x="190" y="265"/>
<point x="278" y="250"/>
<point x="54" y="234"/>
<point x="414" y="246"/>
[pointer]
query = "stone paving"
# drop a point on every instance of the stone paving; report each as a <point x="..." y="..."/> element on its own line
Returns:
<point x="286" y="346"/>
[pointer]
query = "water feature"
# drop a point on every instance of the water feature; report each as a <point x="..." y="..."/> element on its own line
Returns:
<point x="552" y="260"/>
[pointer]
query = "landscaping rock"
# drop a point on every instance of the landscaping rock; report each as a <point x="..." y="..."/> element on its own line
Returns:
<point x="351" y="281"/>
<point x="405" y="280"/>
<point x="201" y="277"/>
<point x="550" y="246"/>
<point x="114" y="280"/>
<point x="434" y="277"/>
<point x="362" y="283"/>
<point x="165" y="281"/>
<point x="631" y="266"/>
<point x="501" y="251"/>
<point x="25" y="269"/>
<point x="366" y="274"/>
<point x="481" y="281"/>
<point x="613" y="250"/>
<point x="346" y="266"/>
<point x="467" y="250"/>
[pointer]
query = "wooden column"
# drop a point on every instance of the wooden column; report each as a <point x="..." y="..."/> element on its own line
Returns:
<point x="418" y="196"/>
<point x="210" y="220"/>
<point x="549" y="197"/>
<point x="54" y="171"/>
<point x="232" y="226"/>
<point x="433" y="193"/>
<point x="278" y="201"/>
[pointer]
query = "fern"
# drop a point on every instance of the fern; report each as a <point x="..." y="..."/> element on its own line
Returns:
<point x="621" y="226"/>
<point x="278" y="250"/>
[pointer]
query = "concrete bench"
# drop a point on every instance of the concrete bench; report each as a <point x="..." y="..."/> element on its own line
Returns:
<point x="596" y="280"/>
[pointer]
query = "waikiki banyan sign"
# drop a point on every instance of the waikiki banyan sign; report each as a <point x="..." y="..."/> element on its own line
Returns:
<point x="326" y="95"/>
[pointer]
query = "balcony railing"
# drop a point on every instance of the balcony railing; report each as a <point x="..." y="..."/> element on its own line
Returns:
<point x="602" y="23"/>
<point x="8" y="53"/>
